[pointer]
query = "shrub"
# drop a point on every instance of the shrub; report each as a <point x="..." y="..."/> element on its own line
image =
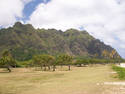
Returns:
<point x="120" y="71"/>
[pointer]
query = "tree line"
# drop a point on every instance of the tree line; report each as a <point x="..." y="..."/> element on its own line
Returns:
<point x="49" y="62"/>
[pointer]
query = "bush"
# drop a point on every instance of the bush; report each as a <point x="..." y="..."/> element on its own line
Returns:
<point x="120" y="71"/>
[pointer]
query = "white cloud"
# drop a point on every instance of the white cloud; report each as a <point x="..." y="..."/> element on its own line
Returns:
<point x="10" y="10"/>
<point x="104" y="19"/>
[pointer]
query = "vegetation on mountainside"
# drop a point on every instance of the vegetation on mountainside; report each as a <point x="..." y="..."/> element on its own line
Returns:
<point x="29" y="47"/>
<point x="25" y="42"/>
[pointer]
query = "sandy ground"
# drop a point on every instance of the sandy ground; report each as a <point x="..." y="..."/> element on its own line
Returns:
<point x="118" y="87"/>
<point x="80" y="80"/>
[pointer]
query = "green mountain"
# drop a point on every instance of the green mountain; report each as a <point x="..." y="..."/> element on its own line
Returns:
<point x="24" y="41"/>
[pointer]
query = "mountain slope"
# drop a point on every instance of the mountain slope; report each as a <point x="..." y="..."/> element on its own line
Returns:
<point x="24" y="41"/>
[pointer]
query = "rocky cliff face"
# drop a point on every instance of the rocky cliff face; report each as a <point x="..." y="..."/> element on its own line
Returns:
<point x="24" y="41"/>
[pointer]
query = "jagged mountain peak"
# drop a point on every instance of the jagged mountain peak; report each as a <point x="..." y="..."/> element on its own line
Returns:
<point x="25" y="41"/>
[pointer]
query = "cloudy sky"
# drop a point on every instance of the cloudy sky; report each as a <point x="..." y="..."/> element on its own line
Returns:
<point x="104" y="19"/>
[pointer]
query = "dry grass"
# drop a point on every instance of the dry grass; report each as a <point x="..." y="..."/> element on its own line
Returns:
<point x="80" y="80"/>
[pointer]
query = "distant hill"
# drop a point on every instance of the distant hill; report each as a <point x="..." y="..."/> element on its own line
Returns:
<point x="24" y="41"/>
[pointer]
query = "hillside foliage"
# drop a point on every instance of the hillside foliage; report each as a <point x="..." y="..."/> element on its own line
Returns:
<point x="25" y="41"/>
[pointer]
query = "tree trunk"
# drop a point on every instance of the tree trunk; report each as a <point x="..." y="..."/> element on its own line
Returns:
<point x="15" y="65"/>
<point x="44" y="68"/>
<point x="54" y="67"/>
<point x="80" y="65"/>
<point x="8" y="69"/>
<point x="48" y="67"/>
<point x="69" y="68"/>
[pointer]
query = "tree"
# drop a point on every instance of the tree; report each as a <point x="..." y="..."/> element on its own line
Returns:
<point x="79" y="62"/>
<point x="82" y="61"/>
<point x="37" y="61"/>
<point x="44" y="61"/>
<point x="7" y="60"/>
<point x="65" y="59"/>
<point x="49" y="60"/>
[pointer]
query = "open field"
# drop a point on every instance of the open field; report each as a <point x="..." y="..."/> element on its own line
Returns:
<point x="80" y="80"/>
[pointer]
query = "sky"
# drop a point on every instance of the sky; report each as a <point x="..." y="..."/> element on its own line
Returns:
<point x="104" y="19"/>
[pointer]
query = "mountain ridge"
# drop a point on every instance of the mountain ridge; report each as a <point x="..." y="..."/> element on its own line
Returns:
<point x="25" y="41"/>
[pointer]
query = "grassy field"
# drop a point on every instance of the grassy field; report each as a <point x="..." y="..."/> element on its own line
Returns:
<point x="80" y="80"/>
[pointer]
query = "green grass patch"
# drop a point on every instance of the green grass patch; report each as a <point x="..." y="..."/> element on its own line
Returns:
<point x="120" y="71"/>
